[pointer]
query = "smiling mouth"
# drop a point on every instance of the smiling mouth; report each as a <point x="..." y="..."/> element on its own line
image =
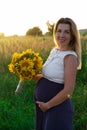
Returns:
<point x="61" y="40"/>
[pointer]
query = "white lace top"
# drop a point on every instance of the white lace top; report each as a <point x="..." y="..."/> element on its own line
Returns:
<point x="53" y="68"/>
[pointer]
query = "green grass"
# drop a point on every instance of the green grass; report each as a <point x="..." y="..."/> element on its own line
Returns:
<point x="16" y="111"/>
<point x="80" y="103"/>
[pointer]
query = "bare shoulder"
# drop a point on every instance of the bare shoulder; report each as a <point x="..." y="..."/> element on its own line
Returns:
<point x="70" y="60"/>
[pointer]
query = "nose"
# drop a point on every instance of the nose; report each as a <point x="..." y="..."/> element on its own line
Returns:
<point x="62" y="34"/>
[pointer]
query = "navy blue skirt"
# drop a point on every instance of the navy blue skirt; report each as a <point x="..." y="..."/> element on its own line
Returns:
<point x="59" y="117"/>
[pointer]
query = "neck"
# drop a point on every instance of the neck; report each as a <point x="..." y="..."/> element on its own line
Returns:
<point x="64" y="48"/>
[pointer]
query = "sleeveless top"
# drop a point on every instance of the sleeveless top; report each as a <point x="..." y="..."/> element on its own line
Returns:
<point x="53" y="68"/>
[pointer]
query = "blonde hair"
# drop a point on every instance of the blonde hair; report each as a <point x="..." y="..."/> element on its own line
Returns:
<point x="75" y="43"/>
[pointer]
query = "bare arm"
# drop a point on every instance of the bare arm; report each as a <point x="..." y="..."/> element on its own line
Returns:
<point x="70" y="69"/>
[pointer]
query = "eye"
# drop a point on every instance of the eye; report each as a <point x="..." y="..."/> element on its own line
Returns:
<point x="58" y="31"/>
<point x="68" y="32"/>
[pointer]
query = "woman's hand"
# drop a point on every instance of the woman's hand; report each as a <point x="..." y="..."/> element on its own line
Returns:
<point x="37" y="77"/>
<point x="43" y="106"/>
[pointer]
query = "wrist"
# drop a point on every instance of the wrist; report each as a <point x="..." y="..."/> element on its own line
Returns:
<point x="48" y="105"/>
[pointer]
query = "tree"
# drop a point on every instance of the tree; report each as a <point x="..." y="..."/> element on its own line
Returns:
<point x="50" y="28"/>
<point x="35" y="31"/>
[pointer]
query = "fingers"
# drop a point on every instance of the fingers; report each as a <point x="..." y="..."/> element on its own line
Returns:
<point x="42" y="106"/>
<point x="37" y="102"/>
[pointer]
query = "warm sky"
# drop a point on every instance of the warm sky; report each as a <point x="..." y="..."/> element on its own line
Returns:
<point x="17" y="16"/>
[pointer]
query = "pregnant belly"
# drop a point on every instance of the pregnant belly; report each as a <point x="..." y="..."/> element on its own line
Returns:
<point x="46" y="89"/>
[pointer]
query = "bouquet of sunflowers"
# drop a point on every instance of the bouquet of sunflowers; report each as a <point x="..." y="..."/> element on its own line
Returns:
<point x="25" y="65"/>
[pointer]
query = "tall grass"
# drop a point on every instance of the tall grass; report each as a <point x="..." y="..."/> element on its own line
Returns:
<point x="18" y="111"/>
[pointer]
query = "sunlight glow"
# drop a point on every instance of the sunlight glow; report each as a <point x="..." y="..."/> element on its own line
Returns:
<point x="17" y="16"/>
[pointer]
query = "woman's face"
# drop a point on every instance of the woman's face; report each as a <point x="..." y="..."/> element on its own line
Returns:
<point x="63" y="35"/>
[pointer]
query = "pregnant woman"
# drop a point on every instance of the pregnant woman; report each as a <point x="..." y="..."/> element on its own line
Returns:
<point x="55" y="86"/>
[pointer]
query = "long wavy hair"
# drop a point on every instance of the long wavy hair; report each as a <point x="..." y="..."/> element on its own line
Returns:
<point x="75" y="43"/>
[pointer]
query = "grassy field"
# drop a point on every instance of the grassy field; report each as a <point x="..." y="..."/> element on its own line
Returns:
<point x="18" y="111"/>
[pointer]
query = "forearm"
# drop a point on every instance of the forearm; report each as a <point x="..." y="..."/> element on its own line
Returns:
<point x="59" y="98"/>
